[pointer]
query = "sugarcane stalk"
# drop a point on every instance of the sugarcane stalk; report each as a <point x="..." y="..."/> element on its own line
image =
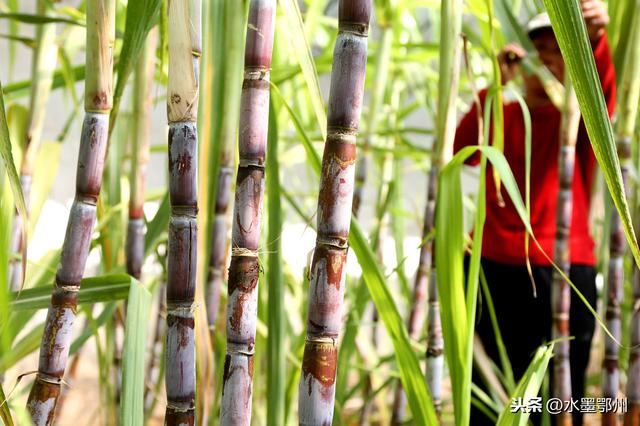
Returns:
<point x="142" y="104"/>
<point x="42" y="67"/>
<point x="234" y="17"/>
<point x="625" y="126"/>
<point x="242" y="302"/>
<point x="182" y="110"/>
<point x="56" y="338"/>
<point x="328" y="266"/>
<point x="425" y="289"/>
<point x="560" y="290"/>
<point x="632" y="416"/>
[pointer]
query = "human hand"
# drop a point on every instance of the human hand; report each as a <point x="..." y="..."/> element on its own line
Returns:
<point x="595" y="16"/>
<point x="509" y="59"/>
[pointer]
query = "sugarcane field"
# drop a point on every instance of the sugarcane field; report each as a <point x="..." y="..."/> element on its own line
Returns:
<point x="320" y="212"/>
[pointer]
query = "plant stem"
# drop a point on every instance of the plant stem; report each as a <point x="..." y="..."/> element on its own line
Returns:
<point x="182" y="108"/>
<point x="242" y="303"/>
<point x="630" y="88"/>
<point x="560" y="290"/>
<point x="225" y="135"/>
<point x="142" y="104"/>
<point x="44" y="63"/>
<point x="56" y="339"/>
<point x="326" y="290"/>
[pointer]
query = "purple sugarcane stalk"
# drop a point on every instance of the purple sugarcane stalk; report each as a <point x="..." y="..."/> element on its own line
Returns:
<point x="56" y="339"/>
<point x="615" y="280"/>
<point x="560" y="290"/>
<point x="242" y="303"/>
<point x="632" y="416"/>
<point x="142" y="104"/>
<point x="328" y="266"/>
<point x="182" y="107"/>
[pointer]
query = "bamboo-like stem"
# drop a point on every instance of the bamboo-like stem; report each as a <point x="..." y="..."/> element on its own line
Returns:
<point x="327" y="274"/>
<point x="228" y="133"/>
<point x="632" y="416"/>
<point x="560" y="291"/>
<point x="242" y="303"/>
<point x="630" y="88"/>
<point x="625" y="126"/>
<point x="42" y="67"/>
<point x="450" y="54"/>
<point x="142" y="104"/>
<point x="425" y="285"/>
<point x="182" y="107"/>
<point x="56" y="339"/>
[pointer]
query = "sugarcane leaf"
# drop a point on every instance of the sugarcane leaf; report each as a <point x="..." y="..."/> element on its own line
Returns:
<point x="410" y="373"/>
<point x="276" y="316"/>
<point x="528" y="387"/>
<point x="157" y="226"/>
<point x="133" y="356"/>
<point x="29" y="42"/>
<point x="296" y="34"/>
<point x="312" y="154"/>
<point x="28" y="18"/>
<point x="571" y="33"/>
<point x="104" y="288"/>
<point x="5" y="414"/>
<point x="67" y="73"/>
<point x="22" y="88"/>
<point x="12" y="174"/>
<point x="141" y="17"/>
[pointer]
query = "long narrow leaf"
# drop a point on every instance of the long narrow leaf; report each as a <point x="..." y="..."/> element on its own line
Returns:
<point x="571" y="32"/>
<point x="410" y="373"/>
<point x="105" y="288"/>
<point x="14" y="180"/>
<point x="133" y="366"/>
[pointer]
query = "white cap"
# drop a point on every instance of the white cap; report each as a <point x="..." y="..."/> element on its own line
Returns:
<point x="538" y="22"/>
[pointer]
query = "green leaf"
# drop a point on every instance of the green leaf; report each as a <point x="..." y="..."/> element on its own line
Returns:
<point x="105" y="288"/>
<point x="14" y="180"/>
<point x="410" y="372"/>
<point x="571" y="33"/>
<point x="528" y="387"/>
<point x="141" y="17"/>
<point x="297" y="37"/>
<point x="276" y="370"/>
<point x="133" y="365"/>
<point x="28" y="18"/>
<point x="5" y="414"/>
<point x="157" y="226"/>
<point x="22" y="88"/>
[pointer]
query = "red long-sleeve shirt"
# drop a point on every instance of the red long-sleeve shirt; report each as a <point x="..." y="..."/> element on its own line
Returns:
<point x="503" y="238"/>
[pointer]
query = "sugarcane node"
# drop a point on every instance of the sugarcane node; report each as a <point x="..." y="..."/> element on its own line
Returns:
<point x="177" y="416"/>
<point x="256" y="80"/>
<point x="100" y="101"/>
<point x="65" y="297"/>
<point x="623" y="146"/>
<point x="433" y="352"/>
<point x="356" y="28"/>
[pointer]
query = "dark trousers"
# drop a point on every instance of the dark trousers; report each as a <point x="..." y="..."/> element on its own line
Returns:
<point x="525" y="323"/>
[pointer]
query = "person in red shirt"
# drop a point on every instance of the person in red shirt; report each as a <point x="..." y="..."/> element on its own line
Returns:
<point x="525" y="320"/>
